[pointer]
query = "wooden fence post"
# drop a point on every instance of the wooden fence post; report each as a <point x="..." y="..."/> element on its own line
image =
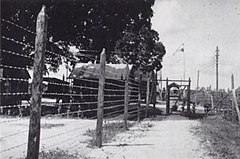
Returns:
<point x="100" y="99"/>
<point x="154" y="89"/>
<point x="35" y="108"/>
<point x="126" y="97"/>
<point x="139" y="96"/>
<point x="167" y="98"/>
<point x="188" y="95"/>
<point x="148" y="94"/>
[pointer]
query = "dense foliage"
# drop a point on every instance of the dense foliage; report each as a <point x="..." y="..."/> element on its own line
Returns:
<point x="141" y="48"/>
<point x="85" y="24"/>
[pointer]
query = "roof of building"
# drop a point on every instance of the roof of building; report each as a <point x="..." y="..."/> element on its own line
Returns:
<point x="86" y="70"/>
<point x="174" y="85"/>
<point x="54" y="80"/>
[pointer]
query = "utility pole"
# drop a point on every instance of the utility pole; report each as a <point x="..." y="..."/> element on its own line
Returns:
<point x="232" y="81"/>
<point x="217" y="55"/>
<point x="232" y="87"/>
<point x="197" y="80"/>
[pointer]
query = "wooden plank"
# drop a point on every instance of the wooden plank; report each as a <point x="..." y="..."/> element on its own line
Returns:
<point x="126" y="98"/>
<point x="100" y="99"/>
<point x="35" y="108"/>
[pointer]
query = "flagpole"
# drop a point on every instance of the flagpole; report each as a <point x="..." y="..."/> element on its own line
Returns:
<point x="183" y="65"/>
<point x="183" y="50"/>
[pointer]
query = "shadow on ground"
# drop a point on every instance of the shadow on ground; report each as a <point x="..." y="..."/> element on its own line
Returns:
<point x="158" y="114"/>
<point x="120" y="145"/>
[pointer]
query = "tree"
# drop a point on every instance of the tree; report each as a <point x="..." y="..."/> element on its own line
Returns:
<point x="91" y="24"/>
<point x="141" y="48"/>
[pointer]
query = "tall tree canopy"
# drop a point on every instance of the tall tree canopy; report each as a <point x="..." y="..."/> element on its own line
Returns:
<point x="141" y="48"/>
<point x="86" y="24"/>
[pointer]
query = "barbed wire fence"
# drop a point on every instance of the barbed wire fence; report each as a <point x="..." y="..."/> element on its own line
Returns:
<point x="231" y="109"/>
<point x="221" y="102"/>
<point x="122" y="98"/>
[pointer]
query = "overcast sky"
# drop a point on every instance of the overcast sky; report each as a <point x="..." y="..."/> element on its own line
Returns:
<point x="201" y="25"/>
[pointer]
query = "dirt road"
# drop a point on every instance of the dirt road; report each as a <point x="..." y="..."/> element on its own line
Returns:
<point x="169" y="138"/>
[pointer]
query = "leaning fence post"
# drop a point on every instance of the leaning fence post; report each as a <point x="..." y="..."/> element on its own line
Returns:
<point x="35" y="108"/>
<point x="100" y="99"/>
<point x="139" y="96"/>
<point x="126" y="97"/>
<point x="236" y="104"/>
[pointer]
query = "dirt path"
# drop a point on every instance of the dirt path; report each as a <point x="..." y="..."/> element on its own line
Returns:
<point x="156" y="138"/>
<point x="170" y="138"/>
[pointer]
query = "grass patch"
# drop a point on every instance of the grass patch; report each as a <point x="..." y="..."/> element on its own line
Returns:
<point x="49" y="126"/>
<point x="194" y="115"/>
<point x="60" y="154"/>
<point x="110" y="130"/>
<point x="223" y="136"/>
<point x="154" y="112"/>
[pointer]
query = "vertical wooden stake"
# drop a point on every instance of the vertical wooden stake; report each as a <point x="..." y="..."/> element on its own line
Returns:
<point x="126" y="97"/>
<point x="139" y="96"/>
<point x="100" y="99"/>
<point x="154" y="89"/>
<point x="167" y="98"/>
<point x="147" y="94"/>
<point x="35" y="109"/>
<point x="188" y="95"/>
<point x="212" y="102"/>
